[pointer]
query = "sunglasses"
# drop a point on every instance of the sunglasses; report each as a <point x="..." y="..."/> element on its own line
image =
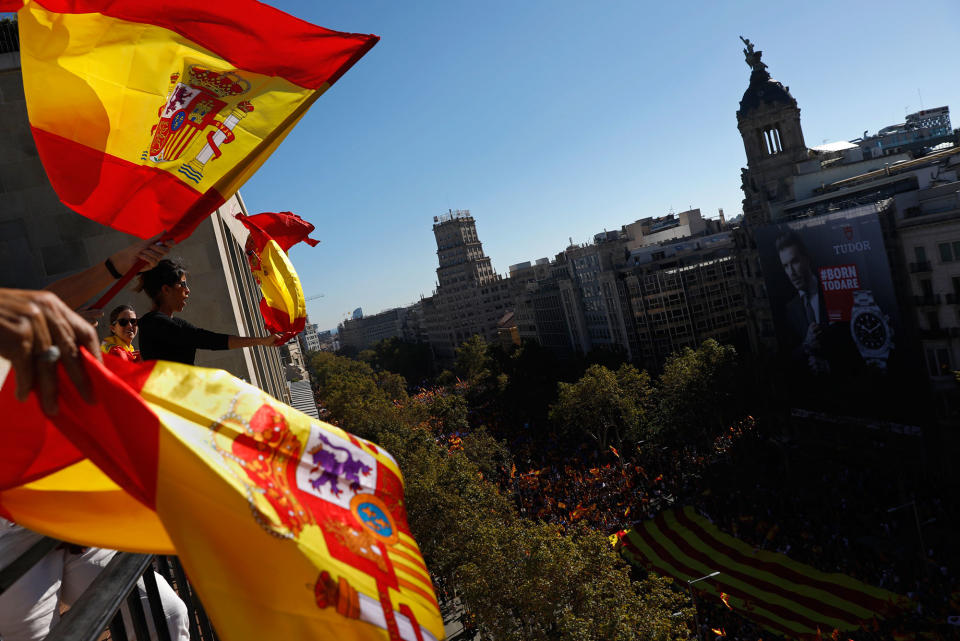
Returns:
<point x="123" y="322"/>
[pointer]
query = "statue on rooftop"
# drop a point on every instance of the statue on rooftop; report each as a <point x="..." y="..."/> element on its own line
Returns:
<point x="753" y="57"/>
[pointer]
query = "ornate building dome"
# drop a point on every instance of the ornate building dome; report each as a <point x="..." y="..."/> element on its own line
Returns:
<point x="763" y="89"/>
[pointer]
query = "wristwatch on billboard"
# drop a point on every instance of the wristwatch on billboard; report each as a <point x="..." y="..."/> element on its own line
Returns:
<point x="871" y="329"/>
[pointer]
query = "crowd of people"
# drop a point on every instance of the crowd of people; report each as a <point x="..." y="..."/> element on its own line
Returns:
<point x="780" y="493"/>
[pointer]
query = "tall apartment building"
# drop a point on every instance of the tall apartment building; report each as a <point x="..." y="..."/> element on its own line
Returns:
<point x="41" y="241"/>
<point x="311" y="340"/>
<point x="590" y="297"/>
<point x="682" y="293"/>
<point x="638" y="291"/>
<point x="470" y="297"/>
<point x="400" y="322"/>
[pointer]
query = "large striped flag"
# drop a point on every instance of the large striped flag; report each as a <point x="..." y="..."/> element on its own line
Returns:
<point x="266" y="241"/>
<point x="289" y="528"/>
<point x="783" y="596"/>
<point x="148" y="114"/>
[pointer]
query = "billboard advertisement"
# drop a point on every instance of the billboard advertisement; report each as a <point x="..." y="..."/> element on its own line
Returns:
<point x="831" y="292"/>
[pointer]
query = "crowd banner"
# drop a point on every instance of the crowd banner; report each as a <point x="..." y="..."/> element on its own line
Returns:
<point x="268" y="238"/>
<point x="288" y="527"/>
<point x="148" y="114"/>
<point x="777" y="593"/>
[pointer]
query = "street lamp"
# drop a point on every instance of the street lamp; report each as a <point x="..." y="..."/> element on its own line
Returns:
<point x="696" y="610"/>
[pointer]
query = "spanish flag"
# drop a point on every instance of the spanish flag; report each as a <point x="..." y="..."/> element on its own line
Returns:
<point x="148" y="114"/>
<point x="288" y="527"/>
<point x="269" y="237"/>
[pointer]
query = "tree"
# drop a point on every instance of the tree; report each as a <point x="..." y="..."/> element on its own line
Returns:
<point x="349" y="392"/>
<point x="448" y="413"/>
<point x="525" y="582"/>
<point x="411" y="360"/>
<point x="473" y="360"/>
<point x="604" y="404"/>
<point x="697" y="392"/>
<point x="517" y="578"/>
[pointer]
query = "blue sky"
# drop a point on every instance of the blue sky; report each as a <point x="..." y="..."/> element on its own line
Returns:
<point x="556" y="119"/>
<point x="551" y="120"/>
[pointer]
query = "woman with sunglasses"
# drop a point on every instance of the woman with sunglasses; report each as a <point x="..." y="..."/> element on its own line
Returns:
<point x="163" y="337"/>
<point x="123" y="329"/>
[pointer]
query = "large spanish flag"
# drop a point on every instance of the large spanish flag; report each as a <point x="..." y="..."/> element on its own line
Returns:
<point x="148" y="114"/>
<point x="781" y="595"/>
<point x="269" y="236"/>
<point x="288" y="527"/>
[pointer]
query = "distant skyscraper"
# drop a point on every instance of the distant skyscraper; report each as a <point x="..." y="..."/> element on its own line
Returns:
<point x="470" y="297"/>
<point x="460" y="252"/>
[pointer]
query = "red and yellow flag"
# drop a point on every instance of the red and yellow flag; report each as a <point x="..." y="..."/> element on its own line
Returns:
<point x="779" y="594"/>
<point x="148" y="114"/>
<point x="288" y="527"/>
<point x="269" y="237"/>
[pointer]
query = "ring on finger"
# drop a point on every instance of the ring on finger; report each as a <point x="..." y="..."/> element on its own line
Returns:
<point x="49" y="355"/>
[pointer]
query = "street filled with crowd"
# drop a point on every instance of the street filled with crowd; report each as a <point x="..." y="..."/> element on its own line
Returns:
<point x="782" y="494"/>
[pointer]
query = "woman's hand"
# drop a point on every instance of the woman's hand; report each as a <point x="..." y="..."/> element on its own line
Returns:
<point x="273" y="340"/>
<point x="149" y="251"/>
<point x="36" y="330"/>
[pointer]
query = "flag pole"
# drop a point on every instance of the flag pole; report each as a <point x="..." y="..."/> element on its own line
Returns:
<point x="200" y="210"/>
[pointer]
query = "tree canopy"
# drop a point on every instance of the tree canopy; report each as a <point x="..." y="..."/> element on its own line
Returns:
<point x="518" y="579"/>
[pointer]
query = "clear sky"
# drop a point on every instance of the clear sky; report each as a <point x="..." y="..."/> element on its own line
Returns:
<point x="552" y="119"/>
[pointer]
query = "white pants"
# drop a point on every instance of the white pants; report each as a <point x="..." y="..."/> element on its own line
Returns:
<point x="30" y="608"/>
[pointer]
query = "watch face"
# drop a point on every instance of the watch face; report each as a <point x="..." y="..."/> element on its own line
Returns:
<point x="870" y="330"/>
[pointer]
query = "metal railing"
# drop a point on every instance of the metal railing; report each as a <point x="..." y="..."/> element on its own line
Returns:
<point x="98" y="608"/>
<point x="920" y="267"/>
<point x="9" y="36"/>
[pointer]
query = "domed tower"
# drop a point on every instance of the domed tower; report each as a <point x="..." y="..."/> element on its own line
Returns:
<point x="769" y="122"/>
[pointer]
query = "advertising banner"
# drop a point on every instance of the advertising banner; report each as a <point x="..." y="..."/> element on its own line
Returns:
<point x="831" y="292"/>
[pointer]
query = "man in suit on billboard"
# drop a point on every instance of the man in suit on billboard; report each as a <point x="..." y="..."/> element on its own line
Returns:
<point x="821" y="346"/>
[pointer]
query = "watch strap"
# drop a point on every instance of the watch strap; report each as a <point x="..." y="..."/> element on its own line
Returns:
<point x="112" y="269"/>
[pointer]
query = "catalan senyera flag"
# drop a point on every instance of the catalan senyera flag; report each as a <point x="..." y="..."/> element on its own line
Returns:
<point x="289" y="528"/>
<point x="148" y="114"/>
<point x="269" y="237"/>
<point x="777" y="593"/>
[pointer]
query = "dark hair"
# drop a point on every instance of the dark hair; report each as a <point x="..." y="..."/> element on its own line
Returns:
<point x="119" y="309"/>
<point x="791" y="238"/>
<point x="167" y="272"/>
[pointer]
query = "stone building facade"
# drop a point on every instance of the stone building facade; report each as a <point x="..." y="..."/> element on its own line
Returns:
<point x="401" y="322"/>
<point x="470" y="297"/>
<point x="908" y="171"/>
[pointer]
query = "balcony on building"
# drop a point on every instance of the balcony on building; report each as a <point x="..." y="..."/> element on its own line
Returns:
<point x="920" y="267"/>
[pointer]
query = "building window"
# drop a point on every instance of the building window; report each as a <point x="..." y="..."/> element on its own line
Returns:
<point x="949" y="252"/>
<point x="770" y="140"/>
<point x="938" y="362"/>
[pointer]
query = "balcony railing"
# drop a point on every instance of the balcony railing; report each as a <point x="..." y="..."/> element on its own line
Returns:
<point x="9" y="36"/>
<point x="920" y="267"/>
<point x="98" y="608"/>
<point x="927" y="301"/>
